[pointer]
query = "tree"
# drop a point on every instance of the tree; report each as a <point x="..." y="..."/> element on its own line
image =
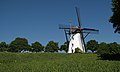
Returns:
<point x="64" y="47"/>
<point x="114" y="48"/>
<point x="115" y="18"/>
<point x="102" y="48"/>
<point x="19" y="44"/>
<point x="37" y="47"/>
<point x="92" y="45"/>
<point x="3" y="46"/>
<point x="109" y="51"/>
<point x="51" y="47"/>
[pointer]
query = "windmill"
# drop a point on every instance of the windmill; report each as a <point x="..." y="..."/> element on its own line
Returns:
<point x="75" y="35"/>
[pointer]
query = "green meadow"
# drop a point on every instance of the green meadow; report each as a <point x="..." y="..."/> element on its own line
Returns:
<point x="55" y="62"/>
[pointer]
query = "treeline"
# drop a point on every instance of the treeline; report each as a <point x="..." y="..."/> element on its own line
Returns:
<point x="105" y="51"/>
<point x="109" y="51"/>
<point x="22" y="45"/>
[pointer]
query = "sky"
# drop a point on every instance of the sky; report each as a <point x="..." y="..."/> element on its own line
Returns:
<point x="38" y="20"/>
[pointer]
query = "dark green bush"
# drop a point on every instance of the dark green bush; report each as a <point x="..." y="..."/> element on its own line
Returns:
<point x="109" y="51"/>
<point x="77" y="50"/>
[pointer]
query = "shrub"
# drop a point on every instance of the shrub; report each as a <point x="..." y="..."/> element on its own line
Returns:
<point x="109" y="51"/>
<point x="77" y="50"/>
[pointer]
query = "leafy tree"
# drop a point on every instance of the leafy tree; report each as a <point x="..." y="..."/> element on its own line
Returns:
<point x="51" y="47"/>
<point x="37" y="47"/>
<point x="19" y="44"/>
<point x="64" y="47"/>
<point x="115" y="18"/>
<point x="92" y="45"/>
<point x="102" y="48"/>
<point x="3" y="46"/>
<point x="109" y="51"/>
<point x="114" y="48"/>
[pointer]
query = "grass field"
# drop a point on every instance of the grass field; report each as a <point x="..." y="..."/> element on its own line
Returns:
<point x="55" y="62"/>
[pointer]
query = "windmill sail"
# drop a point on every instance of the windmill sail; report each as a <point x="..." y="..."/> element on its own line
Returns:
<point x="78" y="17"/>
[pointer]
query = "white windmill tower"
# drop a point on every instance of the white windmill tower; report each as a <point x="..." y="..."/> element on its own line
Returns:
<point x="76" y="37"/>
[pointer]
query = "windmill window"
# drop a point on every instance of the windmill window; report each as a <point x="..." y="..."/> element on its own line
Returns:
<point x="73" y="37"/>
<point x="72" y="44"/>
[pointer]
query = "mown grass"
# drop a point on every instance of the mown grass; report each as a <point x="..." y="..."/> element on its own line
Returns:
<point x="55" y="62"/>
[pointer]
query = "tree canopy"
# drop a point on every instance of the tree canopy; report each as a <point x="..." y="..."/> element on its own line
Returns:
<point x="3" y="46"/>
<point x="109" y="51"/>
<point x="19" y="44"/>
<point x="102" y="48"/>
<point x="92" y="45"/>
<point x="37" y="47"/>
<point x="64" y="47"/>
<point x="51" y="47"/>
<point x="115" y="18"/>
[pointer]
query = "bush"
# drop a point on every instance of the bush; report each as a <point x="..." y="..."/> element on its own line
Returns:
<point x="109" y="51"/>
<point x="77" y="50"/>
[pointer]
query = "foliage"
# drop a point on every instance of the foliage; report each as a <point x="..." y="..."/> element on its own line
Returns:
<point x="115" y="18"/>
<point x="102" y="48"/>
<point x="92" y="45"/>
<point x="37" y="47"/>
<point x="55" y="62"/>
<point x="3" y="46"/>
<point x="64" y="47"/>
<point x="109" y="51"/>
<point x="77" y="50"/>
<point x="19" y="44"/>
<point x="51" y="47"/>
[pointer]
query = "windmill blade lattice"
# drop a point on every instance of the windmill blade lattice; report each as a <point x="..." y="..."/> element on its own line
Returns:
<point x="78" y="17"/>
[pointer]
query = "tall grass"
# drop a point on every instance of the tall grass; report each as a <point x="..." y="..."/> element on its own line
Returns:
<point x="55" y="62"/>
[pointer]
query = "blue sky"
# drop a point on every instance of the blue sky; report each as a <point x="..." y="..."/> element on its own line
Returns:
<point x="38" y="20"/>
